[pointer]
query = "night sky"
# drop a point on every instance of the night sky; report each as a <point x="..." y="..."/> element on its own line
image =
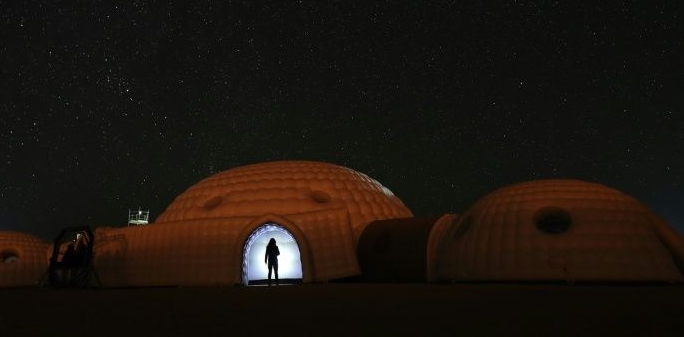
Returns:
<point x="106" y="108"/>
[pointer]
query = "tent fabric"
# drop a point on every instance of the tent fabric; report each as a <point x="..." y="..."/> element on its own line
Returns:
<point x="671" y="240"/>
<point x="200" y="238"/>
<point x="24" y="258"/>
<point x="210" y="251"/>
<point x="434" y="240"/>
<point x="286" y="187"/>
<point x="557" y="230"/>
<point x="394" y="250"/>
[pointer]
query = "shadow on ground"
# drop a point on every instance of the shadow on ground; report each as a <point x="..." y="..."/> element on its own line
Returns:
<point x="348" y="309"/>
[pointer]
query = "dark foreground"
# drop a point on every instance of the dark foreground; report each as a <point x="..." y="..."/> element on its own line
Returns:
<point x="347" y="309"/>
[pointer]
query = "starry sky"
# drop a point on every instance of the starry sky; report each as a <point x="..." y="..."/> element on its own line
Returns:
<point x="107" y="107"/>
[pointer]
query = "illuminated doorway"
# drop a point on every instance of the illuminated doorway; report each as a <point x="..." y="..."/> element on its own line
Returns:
<point x="255" y="271"/>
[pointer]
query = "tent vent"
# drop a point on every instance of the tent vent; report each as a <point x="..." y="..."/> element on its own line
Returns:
<point x="8" y="256"/>
<point x="553" y="220"/>
<point x="213" y="202"/>
<point x="320" y="197"/>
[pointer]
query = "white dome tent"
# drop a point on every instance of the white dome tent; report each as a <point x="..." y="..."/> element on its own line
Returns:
<point x="555" y="230"/>
<point x="211" y="234"/>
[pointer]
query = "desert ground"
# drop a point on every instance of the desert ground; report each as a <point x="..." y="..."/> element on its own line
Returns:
<point x="348" y="309"/>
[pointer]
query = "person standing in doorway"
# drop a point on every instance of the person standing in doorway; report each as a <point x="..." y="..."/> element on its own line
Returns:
<point x="271" y="259"/>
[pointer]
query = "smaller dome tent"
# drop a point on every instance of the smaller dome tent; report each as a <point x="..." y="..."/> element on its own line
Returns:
<point x="556" y="230"/>
<point x="23" y="259"/>
<point x="212" y="232"/>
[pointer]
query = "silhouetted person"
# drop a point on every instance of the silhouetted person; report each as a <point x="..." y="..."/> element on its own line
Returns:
<point x="69" y="261"/>
<point x="70" y="256"/>
<point x="271" y="258"/>
<point x="81" y="253"/>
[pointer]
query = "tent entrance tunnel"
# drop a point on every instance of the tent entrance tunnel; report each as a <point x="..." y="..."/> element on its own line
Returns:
<point x="255" y="271"/>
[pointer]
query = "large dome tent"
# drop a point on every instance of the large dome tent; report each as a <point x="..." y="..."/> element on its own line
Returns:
<point x="213" y="232"/>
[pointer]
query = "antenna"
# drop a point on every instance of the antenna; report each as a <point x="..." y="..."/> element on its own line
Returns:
<point x="139" y="217"/>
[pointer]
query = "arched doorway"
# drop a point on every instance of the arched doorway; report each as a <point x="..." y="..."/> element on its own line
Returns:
<point x="254" y="270"/>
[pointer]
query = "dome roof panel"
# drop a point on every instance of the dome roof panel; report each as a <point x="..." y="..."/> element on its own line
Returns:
<point x="286" y="187"/>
